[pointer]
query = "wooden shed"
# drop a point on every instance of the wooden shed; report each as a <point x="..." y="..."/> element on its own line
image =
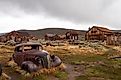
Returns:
<point x="103" y="34"/>
<point x="15" y="36"/>
<point x="72" y="35"/>
<point x="114" y="38"/>
<point x="51" y="37"/>
<point x="97" y="33"/>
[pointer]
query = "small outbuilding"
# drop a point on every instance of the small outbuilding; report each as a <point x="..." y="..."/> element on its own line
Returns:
<point x="72" y="35"/>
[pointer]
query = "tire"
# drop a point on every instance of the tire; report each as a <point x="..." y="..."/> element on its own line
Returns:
<point x="0" y="69"/>
<point x="24" y="66"/>
<point x="29" y="66"/>
<point x="56" y="61"/>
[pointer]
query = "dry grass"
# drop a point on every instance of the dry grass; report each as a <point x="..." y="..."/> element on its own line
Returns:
<point x="73" y="50"/>
<point x="49" y="71"/>
<point x="5" y="53"/>
<point x="93" y="58"/>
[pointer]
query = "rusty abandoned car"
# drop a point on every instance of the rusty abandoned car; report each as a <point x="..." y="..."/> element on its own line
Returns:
<point x="31" y="57"/>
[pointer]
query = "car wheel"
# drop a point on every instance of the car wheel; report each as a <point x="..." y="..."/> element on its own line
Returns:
<point x="0" y="69"/>
<point x="29" y="66"/>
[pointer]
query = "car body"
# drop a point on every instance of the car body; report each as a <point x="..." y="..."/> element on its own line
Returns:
<point x="32" y="56"/>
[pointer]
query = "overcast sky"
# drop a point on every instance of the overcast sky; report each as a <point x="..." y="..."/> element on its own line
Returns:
<point x="73" y="14"/>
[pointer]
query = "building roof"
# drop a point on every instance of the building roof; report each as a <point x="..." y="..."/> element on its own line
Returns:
<point x="102" y="29"/>
<point x="62" y="36"/>
<point x="17" y="33"/>
<point x="73" y="32"/>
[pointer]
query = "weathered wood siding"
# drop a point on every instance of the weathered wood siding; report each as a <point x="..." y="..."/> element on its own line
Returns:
<point x="103" y="34"/>
<point x="95" y="34"/>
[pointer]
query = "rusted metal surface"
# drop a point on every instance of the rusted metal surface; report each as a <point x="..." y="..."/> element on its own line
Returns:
<point x="32" y="56"/>
<point x="27" y="51"/>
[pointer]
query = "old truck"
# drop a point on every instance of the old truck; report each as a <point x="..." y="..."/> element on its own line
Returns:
<point x="31" y="57"/>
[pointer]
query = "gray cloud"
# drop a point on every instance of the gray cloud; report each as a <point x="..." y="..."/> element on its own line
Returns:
<point x="106" y="12"/>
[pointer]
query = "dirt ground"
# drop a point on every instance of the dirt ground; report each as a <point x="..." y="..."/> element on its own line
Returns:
<point x="93" y="62"/>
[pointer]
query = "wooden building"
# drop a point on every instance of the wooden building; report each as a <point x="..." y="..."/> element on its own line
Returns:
<point x="102" y="34"/>
<point x="16" y="36"/>
<point x="72" y="35"/>
<point x="53" y="37"/>
<point x="114" y="38"/>
<point x="97" y="33"/>
<point x="62" y="37"/>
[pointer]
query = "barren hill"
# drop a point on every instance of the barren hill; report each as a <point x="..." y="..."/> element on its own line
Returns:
<point x="61" y="31"/>
<point x="41" y="32"/>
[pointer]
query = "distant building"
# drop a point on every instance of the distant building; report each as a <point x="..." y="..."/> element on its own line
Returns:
<point x="53" y="37"/>
<point x="97" y="33"/>
<point x="16" y="36"/>
<point x="102" y="34"/>
<point x="62" y="37"/>
<point x="72" y="35"/>
<point x="114" y="38"/>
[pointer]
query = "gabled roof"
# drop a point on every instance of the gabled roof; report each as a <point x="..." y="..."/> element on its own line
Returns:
<point x="102" y="29"/>
<point x="72" y="32"/>
<point x="14" y="33"/>
<point x="62" y="36"/>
